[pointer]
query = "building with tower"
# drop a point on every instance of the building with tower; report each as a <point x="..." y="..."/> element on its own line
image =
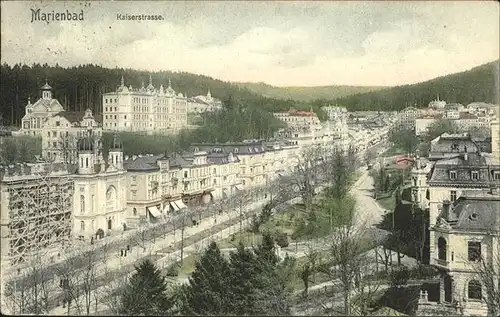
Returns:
<point x="58" y="129"/>
<point x="147" y="109"/>
<point x="100" y="201"/>
<point x="36" y="114"/>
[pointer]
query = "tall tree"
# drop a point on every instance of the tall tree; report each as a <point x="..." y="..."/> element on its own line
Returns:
<point x="439" y="127"/>
<point x="266" y="252"/>
<point x="146" y="292"/>
<point x="207" y="292"/>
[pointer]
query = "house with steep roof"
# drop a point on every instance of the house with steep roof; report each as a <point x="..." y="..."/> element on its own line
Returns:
<point x="62" y="130"/>
<point x="150" y="193"/>
<point x="467" y="231"/>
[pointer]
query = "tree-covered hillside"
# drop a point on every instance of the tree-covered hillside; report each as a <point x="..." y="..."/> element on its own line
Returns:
<point x="78" y="88"/>
<point x="477" y="84"/>
<point x="306" y="93"/>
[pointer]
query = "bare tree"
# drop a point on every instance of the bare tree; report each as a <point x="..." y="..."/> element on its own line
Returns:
<point x="78" y="285"/>
<point x="68" y="148"/>
<point x="31" y="293"/>
<point x="305" y="176"/>
<point x="346" y="254"/>
<point x="488" y="272"/>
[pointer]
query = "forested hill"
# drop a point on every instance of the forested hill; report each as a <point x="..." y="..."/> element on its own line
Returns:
<point x="306" y="93"/>
<point x="477" y="84"/>
<point x="79" y="88"/>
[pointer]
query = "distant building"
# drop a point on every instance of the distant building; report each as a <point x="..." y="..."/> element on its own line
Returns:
<point x="465" y="121"/>
<point x="437" y="104"/>
<point x="146" y="109"/>
<point x="201" y="104"/>
<point x="406" y="118"/>
<point x="495" y="139"/>
<point x="298" y="119"/>
<point x="36" y="114"/>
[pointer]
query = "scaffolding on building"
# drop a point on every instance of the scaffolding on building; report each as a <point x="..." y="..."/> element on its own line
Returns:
<point x="39" y="210"/>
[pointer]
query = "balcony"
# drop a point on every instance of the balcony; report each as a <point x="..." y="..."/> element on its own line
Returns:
<point x="441" y="263"/>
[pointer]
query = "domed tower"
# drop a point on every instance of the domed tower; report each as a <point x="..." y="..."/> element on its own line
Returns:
<point x="115" y="156"/>
<point x="46" y="91"/>
<point x="86" y="156"/>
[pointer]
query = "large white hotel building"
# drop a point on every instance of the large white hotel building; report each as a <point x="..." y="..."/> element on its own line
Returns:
<point x="146" y="109"/>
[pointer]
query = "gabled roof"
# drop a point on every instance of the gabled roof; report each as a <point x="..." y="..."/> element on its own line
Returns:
<point x="143" y="163"/>
<point x="47" y="104"/>
<point x="179" y="161"/>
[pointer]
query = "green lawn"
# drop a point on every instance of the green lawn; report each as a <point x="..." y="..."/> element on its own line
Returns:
<point x="246" y="237"/>
<point x="188" y="265"/>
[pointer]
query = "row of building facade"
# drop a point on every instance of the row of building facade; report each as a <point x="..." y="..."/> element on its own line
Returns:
<point x="145" y="109"/>
<point x="473" y="116"/>
<point x="89" y="196"/>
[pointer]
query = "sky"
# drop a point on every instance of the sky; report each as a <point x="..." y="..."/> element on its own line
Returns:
<point x="279" y="43"/>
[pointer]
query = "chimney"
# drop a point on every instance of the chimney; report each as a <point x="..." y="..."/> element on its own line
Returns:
<point x="446" y="209"/>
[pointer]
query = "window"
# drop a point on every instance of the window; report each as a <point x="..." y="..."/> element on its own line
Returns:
<point x="475" y="175"/>
<point x="496" y="175"/>
<point x="58" y="123"/>
<point x="442" y="249"/>
<point x="185" y="174"/>
<point x="427" y="194"/>
<point x="453" y="195"/>
<point x="453" y="175"/>
<point x="135" y="211"/>
<point x="474" y="290"/>
<point x="134" y="179"/>
<point x="82" y="225"/>
<point x="82" y="204"/>
<point x="474" y="250"/>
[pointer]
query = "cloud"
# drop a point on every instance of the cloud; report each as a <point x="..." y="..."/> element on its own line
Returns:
<point x="281" y="43"/>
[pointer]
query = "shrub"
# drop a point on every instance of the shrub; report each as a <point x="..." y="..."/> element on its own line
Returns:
<point x="282" y="239"/>
<point x="400" y="276"/>
<point x="173" y="271"/>
<point x="423" y="271"/>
